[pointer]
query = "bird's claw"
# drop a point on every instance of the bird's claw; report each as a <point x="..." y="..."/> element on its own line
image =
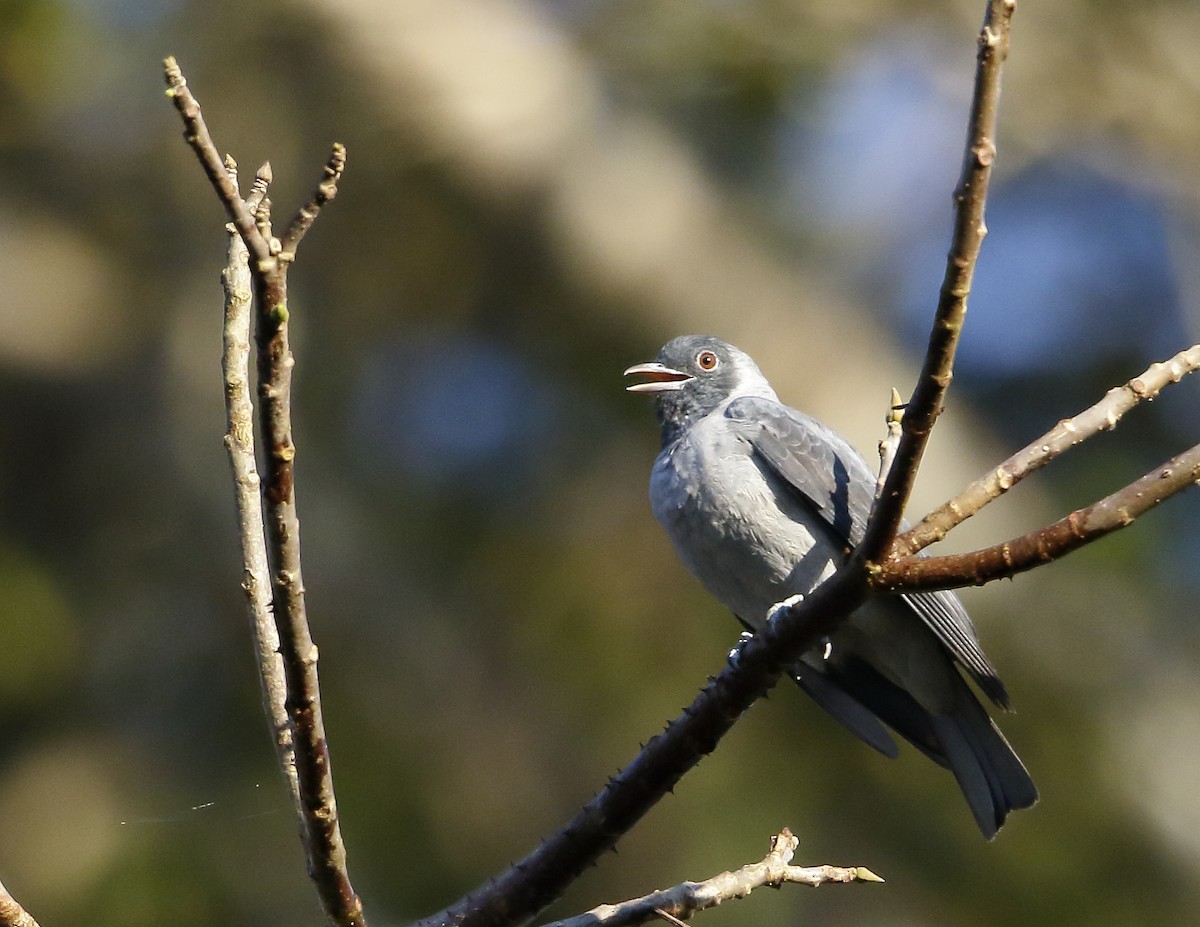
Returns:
<point x="779" y="609"/>
<point x="735" y="654"/>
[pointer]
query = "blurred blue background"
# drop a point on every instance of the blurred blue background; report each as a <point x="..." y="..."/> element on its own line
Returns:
<point x="538" y="195"/>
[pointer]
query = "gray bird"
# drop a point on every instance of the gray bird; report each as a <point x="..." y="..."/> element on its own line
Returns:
<point x="762" y="503"/>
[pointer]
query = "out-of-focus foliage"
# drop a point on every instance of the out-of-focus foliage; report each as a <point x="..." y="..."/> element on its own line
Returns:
<point x="538" y="195"/>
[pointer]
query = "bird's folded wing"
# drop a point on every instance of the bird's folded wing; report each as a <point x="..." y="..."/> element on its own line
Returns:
<point x="831" y="476"/>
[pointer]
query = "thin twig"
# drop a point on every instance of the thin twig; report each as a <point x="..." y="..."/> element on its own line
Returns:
<point x="1023" y="553"/>
<point x="196" y="134"/>
<point x="969" y="230"/>
<point x="324" y="192"/>
<point x="323" y="842"/>
<point x="11" y="912"/>
<point x="1102" y="416"/>
<point x="681" y="902"/>
<point x="239" y="443"/>
<point x="891" y="439"/>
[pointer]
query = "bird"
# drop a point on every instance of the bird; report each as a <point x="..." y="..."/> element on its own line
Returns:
<point x="762" y="503"/>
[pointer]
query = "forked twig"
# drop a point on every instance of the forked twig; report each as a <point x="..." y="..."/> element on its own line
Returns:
<point x="1017" y="555"/>
<point x="681" y="902"/>
<point x="1068" y="433"/>
<point x="321" y="828"/>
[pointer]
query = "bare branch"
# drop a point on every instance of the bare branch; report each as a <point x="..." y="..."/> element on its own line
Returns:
<point x="239" y="443"/>
<point x="681" y="902"/>
<point x="325" y="191"/>
<point x="1102" y="416"/>
<point x="11" y="913"/>
<point x="969" y="230"/>
<point x="322" y="831"/>
<point x="323" y="836"/>
<point x="1050" y="543"/>
<point x="197" y="136"/>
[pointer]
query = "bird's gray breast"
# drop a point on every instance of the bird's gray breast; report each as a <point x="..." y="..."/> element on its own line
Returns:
<point x="747" y="536"/>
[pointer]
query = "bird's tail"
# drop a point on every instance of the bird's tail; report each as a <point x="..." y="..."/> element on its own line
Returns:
<point x="965" y="740"/>
<point x="991" y="775"/>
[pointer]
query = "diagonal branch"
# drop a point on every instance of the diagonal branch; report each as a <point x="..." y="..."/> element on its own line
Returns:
<point x="681" y="902"/>
<point x="515" y="896"/>
<point x="1102" y="416"/>
<point x="11" y="912"/>
<point x="324" y="192"/>
<point x="970" y="198"/>
<point x="196" y="134"/>
<point x="321" y="829"/>
<point x="1017" y="555"/>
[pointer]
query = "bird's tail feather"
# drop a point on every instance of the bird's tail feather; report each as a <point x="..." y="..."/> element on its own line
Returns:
<point x="845" y="709"/>
<point x="991" y="776"/>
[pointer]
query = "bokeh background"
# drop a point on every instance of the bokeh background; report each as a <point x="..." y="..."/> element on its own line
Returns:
<point x="538" y="195"/>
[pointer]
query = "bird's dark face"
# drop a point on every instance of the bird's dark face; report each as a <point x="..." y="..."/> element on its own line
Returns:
<point x="692" y="376"/>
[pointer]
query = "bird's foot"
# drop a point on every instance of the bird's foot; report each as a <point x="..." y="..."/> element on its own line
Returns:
<point x="779" y="609"/>
<point x="735" y="654"/>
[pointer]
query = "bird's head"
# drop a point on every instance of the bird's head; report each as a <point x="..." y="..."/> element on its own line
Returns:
<point x="692" y="376"/>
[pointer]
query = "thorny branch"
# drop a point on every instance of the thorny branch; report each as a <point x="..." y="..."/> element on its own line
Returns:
<point x="970" y="198"/>
<point x="320" y="826"/>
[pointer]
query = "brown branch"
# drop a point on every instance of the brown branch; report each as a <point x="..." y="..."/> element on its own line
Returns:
<point x="239" y="443"/>
<point x="11" y="912"/>
<point x="321" y="829"/>
<point x="970" y="198"/>
<point x="681" y="902"/>
<point x="1102" y="416"/>
<point x="1017" y="555"/>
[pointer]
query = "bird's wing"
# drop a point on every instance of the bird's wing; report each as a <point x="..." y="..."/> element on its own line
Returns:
<point x="831" y="476"/>
<point x="813" y="460"/>
<point x="944" y="613"/>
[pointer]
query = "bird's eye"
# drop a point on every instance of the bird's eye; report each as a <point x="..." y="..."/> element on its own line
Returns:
<point x="707" y="360"/>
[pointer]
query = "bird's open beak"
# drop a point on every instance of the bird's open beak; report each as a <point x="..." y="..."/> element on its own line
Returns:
<point x="659" y="378"/>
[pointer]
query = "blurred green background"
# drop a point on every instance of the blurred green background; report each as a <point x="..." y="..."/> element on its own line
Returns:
<point x="538" y="195"/>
